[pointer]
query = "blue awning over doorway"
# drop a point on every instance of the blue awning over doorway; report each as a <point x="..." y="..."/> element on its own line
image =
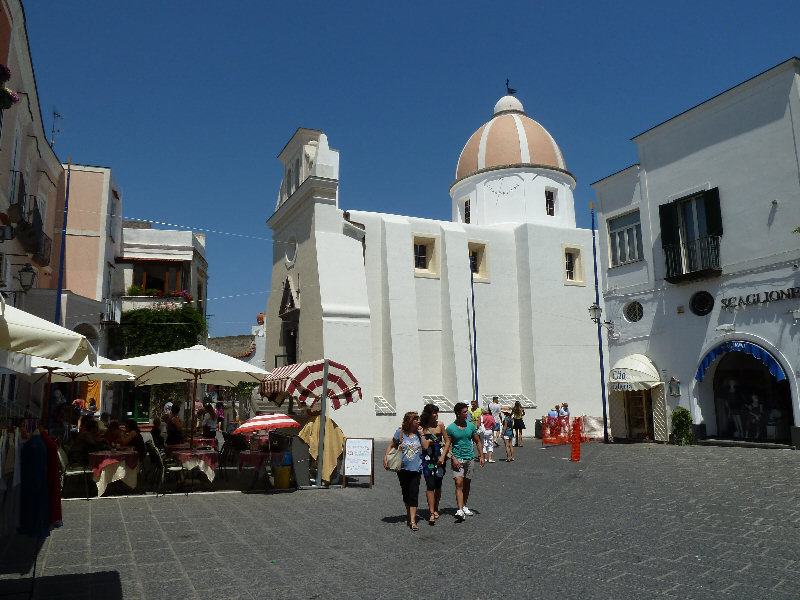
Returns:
<point x="738" y="346"/>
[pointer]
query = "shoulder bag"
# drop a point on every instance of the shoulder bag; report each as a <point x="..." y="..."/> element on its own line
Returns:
<point x="395" y="458"/>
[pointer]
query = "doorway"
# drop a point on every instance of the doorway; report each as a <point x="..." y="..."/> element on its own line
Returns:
<point x="749" y="402"/>
<point x="639" y="415"/>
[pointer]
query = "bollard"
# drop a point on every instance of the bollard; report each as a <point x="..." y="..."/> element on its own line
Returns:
<point x="576" y="441"/>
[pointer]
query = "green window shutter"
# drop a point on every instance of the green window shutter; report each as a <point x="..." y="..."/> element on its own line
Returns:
<point x="670" y="228"/>
<point x="713" y="213"/>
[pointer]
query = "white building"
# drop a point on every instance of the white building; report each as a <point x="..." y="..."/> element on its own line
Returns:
<point x="701" y="266"/>
<point x="391" y="296"/>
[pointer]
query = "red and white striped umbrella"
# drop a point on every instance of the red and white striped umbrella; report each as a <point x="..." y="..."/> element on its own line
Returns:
<point x="266" y="422"/>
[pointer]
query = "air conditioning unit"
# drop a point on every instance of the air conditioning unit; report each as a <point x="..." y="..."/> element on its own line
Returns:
<point x="112" y="312"/>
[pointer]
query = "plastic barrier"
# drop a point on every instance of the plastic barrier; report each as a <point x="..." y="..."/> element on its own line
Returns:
<point x="558" y="430"/>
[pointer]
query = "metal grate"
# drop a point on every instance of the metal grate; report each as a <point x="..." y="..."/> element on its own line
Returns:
<point x="383" y="406"/>
<point x="509" y="400"/>
<point x="441" y="402"/>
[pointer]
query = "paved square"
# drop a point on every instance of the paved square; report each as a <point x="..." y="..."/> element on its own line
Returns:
<point x="628" y="521"/>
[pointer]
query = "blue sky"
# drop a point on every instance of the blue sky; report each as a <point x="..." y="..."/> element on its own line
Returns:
<point x="189" y="103"/>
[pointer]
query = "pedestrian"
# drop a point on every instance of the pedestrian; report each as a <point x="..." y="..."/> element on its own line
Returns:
<point x="411" y="442"/>
<point x="475" y="413"/>
<point x="174" y="426"/>
<point x="209" y="422"/>
<point x="460" y="436"/>
<point x="220" y="411"/>
<point x="487" y="433"/>
<point x="495" y="410"/>
<point x="564" y="410"/>
<point x="508" y="432"/>
<point x="519" y="424"/>
<point x="553" y="412"/>
<point x="433" y="458"/>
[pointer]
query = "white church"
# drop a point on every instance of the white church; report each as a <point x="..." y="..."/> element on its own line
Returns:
<point x="427" y="311"/>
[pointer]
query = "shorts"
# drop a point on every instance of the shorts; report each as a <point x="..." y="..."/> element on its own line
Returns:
<point x="465" y="471"/>
<point x="508" y="435"/>
<point x="496" y="427"/>
<point x="220" y="419"/>
<point x="432" y="482"/>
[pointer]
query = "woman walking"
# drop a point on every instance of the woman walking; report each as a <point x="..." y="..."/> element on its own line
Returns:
<point x="507" y="431"/>
<point x="519" y="424"/>
<point x="487" y="420"/>
<point x="433" y="467"/>
<point x="411" y="442"/>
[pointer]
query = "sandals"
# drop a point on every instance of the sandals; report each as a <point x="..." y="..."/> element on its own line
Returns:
<point x="432" y="520"/>
<point x="414" y="527"/>
<point x="436" y="514"/>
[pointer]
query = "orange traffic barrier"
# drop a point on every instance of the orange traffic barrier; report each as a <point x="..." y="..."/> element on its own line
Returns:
<point x="558" y="430"/>
<point x="576" y="442"/>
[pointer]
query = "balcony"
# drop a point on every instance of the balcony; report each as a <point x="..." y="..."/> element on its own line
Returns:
<point x="695" y="259"/>
<point x="153" y="302"/>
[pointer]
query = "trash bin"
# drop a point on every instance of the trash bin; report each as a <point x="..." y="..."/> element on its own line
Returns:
<point x="282" y="470"/>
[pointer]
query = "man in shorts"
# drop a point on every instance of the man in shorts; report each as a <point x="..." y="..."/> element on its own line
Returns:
<point x="462" y="434"/>
<point x="495" y="409"/>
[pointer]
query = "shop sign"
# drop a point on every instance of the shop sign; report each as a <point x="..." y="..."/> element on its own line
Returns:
<point x="761" y="298"/>
<point x="618" y="381"/>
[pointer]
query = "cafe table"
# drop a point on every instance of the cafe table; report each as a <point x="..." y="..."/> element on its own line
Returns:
<point x="114" y="465"/>
<point x="205" y="461"/>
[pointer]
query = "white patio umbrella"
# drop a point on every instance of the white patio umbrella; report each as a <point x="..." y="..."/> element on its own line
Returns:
<point x="23" y="332"/>
<point x="59" y="371"/>
<point x="198" y="363"/>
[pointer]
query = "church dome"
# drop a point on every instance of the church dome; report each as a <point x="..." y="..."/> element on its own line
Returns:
<point x="510" y="138"/>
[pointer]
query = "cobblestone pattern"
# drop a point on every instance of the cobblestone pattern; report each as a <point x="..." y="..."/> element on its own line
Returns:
<point x="628" y="521"/>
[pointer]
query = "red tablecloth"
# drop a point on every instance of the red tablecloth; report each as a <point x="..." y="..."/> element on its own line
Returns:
<point x="205" y="460"/>
<point x="255" y="459"/>
<point x="99" y="460"/>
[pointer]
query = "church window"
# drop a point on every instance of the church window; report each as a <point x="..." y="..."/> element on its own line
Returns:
<point x="550" y="202"/>
<point x="573" y="265"/>
<point x="478" y="260"/>
<point x="426" y="260"/>
<point x="466" y="211"/>
<point x="296" y="173"/>
<point x="625" y="239"/>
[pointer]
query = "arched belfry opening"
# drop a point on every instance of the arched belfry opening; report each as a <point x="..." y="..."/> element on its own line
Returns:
<point x="289" y="313"/>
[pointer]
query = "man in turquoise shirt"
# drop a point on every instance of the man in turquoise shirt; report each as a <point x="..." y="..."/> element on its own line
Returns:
<point x="461" y="435"/>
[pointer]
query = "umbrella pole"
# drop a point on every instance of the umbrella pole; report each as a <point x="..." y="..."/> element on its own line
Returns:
<point x="322" y="421"/>
<point x="194" y="399"/>
<point x="46" y="408"/>
<point x="71" y="400"/>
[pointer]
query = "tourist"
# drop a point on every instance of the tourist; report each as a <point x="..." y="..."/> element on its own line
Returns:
<point x="433" y="458"/>
<point x="475" y="413"/>
<point x="230" y="417"/>
<point x="507" y="427"/>
<point x="174" y="426"/>
<point x="157" y="434"/>
<point x="495" y="410"/>
<point x="209" y="422"/>
<point x="519" y="424"/>
<point x="411" y="442"/>
<point x="564" y="410"/>
<point x="487" y="434"/>
<point x="460" y="435"/>
<point x="59" y="427"/>
<point x="133" y="438"/>
<point x="113" y="433"/>
<point x="88" y="440"/>
<point x="220" y="412"/>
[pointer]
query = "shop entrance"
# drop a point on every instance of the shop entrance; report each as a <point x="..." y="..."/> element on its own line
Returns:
<point x="751" y="404"/>
<point x="639" y="415"/>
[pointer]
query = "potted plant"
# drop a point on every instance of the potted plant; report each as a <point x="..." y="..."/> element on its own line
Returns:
<point x="682" y="427"/>
<point x="8" y="98"/>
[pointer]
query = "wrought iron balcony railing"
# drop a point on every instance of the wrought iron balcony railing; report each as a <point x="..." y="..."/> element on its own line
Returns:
<point x="693" y="259"/>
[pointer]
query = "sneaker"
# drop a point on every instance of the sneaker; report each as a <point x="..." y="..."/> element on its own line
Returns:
<point x="467" y="512"/>
<point x="460" y="514"/>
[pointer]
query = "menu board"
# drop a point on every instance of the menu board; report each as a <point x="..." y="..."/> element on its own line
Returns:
<point x="358" y="454"/>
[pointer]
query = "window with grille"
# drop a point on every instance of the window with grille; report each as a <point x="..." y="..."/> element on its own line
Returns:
<point x="420" y="256"/>
<point x="426" y="261"/>
<point x="466" y="211"/>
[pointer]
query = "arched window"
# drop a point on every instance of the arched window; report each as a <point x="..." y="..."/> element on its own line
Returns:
<point x="296" y="173"/>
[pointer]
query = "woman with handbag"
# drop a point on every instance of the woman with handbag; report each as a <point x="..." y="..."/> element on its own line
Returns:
<point x="519" y="424"/>
<point x="433" y="458"/>
<point x="409" y="442"/>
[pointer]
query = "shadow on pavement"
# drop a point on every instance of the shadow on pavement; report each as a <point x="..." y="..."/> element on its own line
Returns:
<point x="104" y="584"/>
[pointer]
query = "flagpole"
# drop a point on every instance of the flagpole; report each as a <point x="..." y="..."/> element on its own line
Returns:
<point x="57" y="319"/>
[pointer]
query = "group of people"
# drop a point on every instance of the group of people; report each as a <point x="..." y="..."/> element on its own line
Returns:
<point x="94" y="435"/>
<point x="425" y="445"/>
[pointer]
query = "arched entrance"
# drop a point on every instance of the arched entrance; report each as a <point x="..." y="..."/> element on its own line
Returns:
<point x="750" y="401"/>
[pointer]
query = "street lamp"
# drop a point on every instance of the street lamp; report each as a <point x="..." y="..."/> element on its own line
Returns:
<point x="26" y="276"/>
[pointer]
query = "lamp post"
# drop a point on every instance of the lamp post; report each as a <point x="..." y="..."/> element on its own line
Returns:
<point x="26" y="277"/>
<point x="596" y="314"/>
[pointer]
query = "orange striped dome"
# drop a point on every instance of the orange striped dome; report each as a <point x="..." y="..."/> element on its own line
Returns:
<point x="510" y="138"/>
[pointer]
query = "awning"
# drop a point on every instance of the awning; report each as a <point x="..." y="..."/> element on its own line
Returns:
<point x="747" y="347"/>
<point x="634" y="372"/>
<point x="304" y="382"/>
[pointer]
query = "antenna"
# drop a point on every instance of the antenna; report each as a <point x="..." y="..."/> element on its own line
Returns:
<point x="54" y="131"/>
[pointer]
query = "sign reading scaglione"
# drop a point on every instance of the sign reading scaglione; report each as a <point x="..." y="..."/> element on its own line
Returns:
<point x="761" y="297"/>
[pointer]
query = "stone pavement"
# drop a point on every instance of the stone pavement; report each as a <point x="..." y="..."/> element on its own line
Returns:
<point x="628" y="521"/>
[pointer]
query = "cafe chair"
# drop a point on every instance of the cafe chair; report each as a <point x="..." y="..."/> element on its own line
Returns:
<point x="160" y="471"/>
<point x="68" y="469"/>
